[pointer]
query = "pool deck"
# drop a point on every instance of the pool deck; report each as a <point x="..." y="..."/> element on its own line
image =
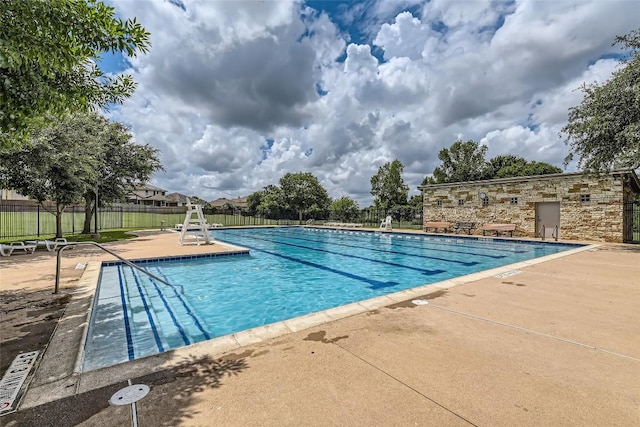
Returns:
<point x="553" y="342"/>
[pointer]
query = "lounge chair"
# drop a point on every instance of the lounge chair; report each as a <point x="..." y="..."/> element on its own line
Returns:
<point x="386" y="223"/>
<point x="28" y="248"/>
<point x="51" y="245"/>
<point x="6" y="250"/>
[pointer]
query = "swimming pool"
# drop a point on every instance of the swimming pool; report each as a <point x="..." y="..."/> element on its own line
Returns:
<point x="290" y="271"/>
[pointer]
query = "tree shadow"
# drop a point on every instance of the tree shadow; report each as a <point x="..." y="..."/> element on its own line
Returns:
<point x="27" y="321"/>
<point x="168" y="403"/>
<point x="175" y="391"/>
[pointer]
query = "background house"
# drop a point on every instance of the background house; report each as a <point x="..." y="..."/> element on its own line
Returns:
<point x="238" y="204"/>
<point x="148" y="195"/>
<point x="570" y="206"/>
<point x="11" y="195"/>
<point x="176" y="199"/>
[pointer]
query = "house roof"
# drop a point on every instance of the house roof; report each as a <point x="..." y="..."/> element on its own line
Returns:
<point x="177" y="198"/>
<point x="633" y="179"/>
<point x="239" y="202"/>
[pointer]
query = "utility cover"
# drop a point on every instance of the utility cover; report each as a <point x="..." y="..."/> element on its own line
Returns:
<point x="129" y="395"/>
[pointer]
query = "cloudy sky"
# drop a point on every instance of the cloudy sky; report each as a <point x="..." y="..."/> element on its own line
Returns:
<point x="237" y="93"/>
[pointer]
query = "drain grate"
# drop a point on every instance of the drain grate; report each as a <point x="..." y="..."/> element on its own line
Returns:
<point x="508" y="274"/>
<point x="420" y="302"/>
<point x="13" y="380"/>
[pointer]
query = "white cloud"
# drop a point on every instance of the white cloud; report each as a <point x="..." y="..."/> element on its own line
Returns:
<point x="222" y="78"/>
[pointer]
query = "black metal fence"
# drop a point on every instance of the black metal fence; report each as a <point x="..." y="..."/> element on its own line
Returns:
<point x="632" y="218"/>
<point x="27" y="219"/>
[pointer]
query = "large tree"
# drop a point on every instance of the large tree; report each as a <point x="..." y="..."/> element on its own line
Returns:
<point x="58" y="165"/>
<point x="507" y="166"/>
<point x="301" y="192"/>
<point x="67" y="162"/>
<point x="463" y="161"/>
<point x="604" y="130"/>
<point x="121" y="163"/>
<point x="527" y="169"/>
<point x="49" y="51"/>
<point x="388" y="187"/>
<point x="344" y="209"/>
<point x="267" y="203"/>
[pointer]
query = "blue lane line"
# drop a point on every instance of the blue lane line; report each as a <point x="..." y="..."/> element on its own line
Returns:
<point x="436" y="240"/>
<point x="394" y="252"/>
<point x="186" y="307"/>
<point x="373" y="284"/>
<point x="424" y="271"/>
<point x="421" y="270"/>
<point x="490" y="245"/>
<point x="146" y="309"/>
<point x="127" y="328"/>
<point x="173" y="317"/>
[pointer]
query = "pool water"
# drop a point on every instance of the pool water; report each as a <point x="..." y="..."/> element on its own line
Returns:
<point x="290" y="272"/>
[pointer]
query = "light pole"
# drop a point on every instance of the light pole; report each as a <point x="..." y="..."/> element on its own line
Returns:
<point x="95" y="234"/>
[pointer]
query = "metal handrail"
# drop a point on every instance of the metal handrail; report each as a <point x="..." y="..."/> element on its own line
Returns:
<point x="554" y="233"/>
<point x="542" y="232"/>
<point x="64" y="246"/>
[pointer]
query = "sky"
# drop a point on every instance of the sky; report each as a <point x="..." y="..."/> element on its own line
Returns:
<point x="237" y="93"/>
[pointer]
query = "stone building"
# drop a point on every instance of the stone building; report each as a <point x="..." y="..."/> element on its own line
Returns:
<point x="572" y="206"/>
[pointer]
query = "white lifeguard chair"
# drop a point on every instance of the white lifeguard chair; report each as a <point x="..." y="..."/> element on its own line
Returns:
<point x="194" y="230"/>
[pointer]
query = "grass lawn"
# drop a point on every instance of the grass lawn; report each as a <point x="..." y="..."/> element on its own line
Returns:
<point x="105" y="237"/>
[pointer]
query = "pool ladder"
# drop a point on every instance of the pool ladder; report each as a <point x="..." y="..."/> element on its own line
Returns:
<point x="125" y="261"/>
<point x="542" y="233"/>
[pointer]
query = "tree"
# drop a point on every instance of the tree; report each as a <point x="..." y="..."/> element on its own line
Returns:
<point x="267" y="203"/>
<point x="253" y="202"/>
<point x="121" y="163"/>
<point x="67" y="162"/>
<point x="527" y="169"/>
<point x="303" y="193"/>
<point x="48" y="60"/>
<point x="344" y="209"/>
<point x="463" y="161"/>
<point x="500" y="162"/>
<point x="388" y="187"/>
<point x="56" y="166"/>
<point x="604" y="130"/>
<point x="195" y="200"/>
<point x="428" y="180"/>
<point x="416" y="201"/>
<point x="507" y="166"/>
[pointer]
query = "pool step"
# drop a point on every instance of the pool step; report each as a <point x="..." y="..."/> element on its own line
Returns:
<point x="161" y="317"/>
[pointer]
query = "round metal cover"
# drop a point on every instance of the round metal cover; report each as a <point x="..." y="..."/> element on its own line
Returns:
<point x="130" y="394"/>
<point x="420" y="302"/>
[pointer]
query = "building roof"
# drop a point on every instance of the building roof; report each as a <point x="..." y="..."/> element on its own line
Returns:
<point x="238" y="202"/>
<point x="176" y="198"/>
<point x="633" y="179"/>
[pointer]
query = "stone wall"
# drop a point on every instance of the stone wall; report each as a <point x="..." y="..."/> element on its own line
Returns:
<point x="513" y="201"/>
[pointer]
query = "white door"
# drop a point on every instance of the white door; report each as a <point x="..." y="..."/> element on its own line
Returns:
<point x="548" y="219"/>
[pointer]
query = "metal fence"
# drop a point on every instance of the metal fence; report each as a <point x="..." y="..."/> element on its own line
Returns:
<point x="22" y="219"/>
<point x="632" y="217"/>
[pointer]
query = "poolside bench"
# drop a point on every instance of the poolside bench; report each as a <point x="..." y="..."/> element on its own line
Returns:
<point x="464" y="226"/>
<point x="499" y="228"/>
<point x="445" y="226"/>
